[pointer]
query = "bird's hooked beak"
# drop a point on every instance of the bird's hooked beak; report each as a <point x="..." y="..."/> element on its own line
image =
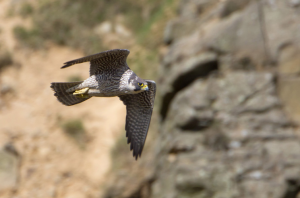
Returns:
<point x="145" y="88"/>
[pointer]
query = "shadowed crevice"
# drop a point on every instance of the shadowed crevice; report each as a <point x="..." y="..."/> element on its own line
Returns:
<point x="185" y="79"/>
<point x="293" y="188"/>
<point x="197" y="124"/>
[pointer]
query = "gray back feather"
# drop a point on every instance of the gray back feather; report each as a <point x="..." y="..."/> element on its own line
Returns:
<point x="111" y="61"/>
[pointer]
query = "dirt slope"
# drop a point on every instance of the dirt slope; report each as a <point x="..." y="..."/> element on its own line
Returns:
<point x="51" y="164"/>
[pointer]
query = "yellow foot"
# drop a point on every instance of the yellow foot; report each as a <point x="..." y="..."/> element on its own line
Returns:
<point x="81" y="93"/>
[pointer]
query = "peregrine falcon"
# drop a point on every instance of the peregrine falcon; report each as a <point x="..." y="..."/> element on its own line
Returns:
<point x="110" y="76"/>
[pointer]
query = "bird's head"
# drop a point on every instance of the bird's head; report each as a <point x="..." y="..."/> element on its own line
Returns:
<point x="141" y="86"/>
<point x="137" y="85"/>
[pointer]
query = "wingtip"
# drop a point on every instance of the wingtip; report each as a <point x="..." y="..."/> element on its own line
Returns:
<point x="68" y="64"/>
<point x="64" y="66"/>
<point x="135" y="155"/>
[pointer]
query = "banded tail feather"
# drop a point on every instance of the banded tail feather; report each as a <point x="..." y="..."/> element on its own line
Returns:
<point x="66" y="98"/>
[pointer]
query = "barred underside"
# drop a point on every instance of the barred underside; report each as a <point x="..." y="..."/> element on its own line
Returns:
<point x="66" y="98"/>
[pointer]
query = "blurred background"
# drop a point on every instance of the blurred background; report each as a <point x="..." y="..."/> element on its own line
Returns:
<point x="227" y="111"/>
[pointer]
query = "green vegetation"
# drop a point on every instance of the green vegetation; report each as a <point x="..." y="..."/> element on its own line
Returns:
<point x="26" y="9"/>
<point x="144" y="63"/>
<point x="75" y="130"/>
<point x="29" y="38"/>
<point x="151" y="31"/>
<point x="71" y="22"/>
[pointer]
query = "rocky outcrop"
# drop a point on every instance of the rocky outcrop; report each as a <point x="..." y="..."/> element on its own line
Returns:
<point x="226" y="135"/>
<point x="229" y="87"/>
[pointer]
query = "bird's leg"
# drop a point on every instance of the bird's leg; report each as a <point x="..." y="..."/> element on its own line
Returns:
<point x="81" y="93"/>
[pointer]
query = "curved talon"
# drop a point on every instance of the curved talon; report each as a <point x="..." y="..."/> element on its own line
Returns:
<point x="81" y="93"/>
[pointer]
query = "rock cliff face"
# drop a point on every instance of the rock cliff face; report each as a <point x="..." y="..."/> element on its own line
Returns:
<point x="229" y="85"/>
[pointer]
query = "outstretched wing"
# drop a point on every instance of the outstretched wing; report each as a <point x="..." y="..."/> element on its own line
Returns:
<point x="110" y="60"/>
<point x="139" y="110"/>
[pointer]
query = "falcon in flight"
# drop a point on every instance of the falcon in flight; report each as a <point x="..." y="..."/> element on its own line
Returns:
<point x="110" y="76"/>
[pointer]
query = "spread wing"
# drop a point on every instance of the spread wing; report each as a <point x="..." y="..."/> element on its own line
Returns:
<point x="111" y="60"/>
<point x="139" y="110"/>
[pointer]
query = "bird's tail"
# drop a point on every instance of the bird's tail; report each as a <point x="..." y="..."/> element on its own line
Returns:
<point x="67" y="98"/>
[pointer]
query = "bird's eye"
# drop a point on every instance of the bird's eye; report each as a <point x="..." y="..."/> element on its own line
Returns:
<point x="141" y="84"/>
